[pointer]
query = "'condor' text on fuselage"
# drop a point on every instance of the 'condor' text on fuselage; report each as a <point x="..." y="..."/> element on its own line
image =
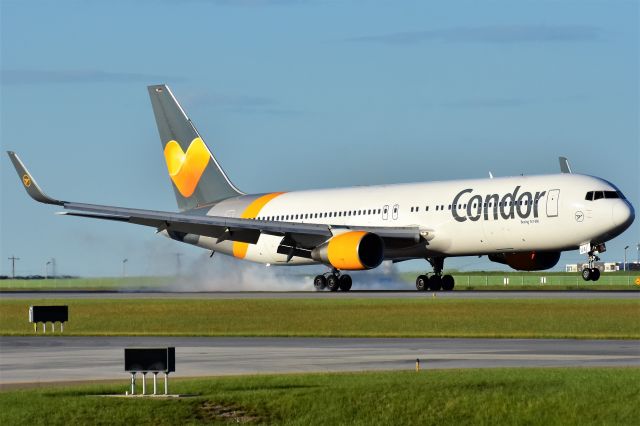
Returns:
<point x="492" y="206"/>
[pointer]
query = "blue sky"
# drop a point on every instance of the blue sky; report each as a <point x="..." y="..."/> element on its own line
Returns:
<point x="302" y="94"/>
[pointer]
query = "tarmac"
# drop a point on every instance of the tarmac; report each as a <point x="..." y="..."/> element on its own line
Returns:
<point x="41" y="359"/>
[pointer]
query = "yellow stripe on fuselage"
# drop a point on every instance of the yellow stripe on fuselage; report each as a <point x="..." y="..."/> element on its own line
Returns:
<point x="251" y="212"/>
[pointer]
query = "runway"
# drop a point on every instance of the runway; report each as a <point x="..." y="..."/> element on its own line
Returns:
<point x="56" y="359"/>
<point x="359" y="294"/>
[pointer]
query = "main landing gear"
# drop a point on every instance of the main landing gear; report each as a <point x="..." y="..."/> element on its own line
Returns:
<point x="333" y="280"/>
<point x="436" y="281"/>
<point x="591" y="273"/>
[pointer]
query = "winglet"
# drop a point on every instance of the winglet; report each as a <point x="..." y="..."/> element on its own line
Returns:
<point x="564" y="165"/>
<point x="29" y="182"/>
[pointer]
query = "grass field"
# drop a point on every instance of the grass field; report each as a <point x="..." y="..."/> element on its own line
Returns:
<point x="91" y="284"/>
<point x="464" y="281"/>
<point x="443" y="397"/>
<point x="425" y="317"/>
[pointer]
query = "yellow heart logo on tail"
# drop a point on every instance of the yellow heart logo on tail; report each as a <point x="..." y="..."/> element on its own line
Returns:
<point x="186" y="168"/>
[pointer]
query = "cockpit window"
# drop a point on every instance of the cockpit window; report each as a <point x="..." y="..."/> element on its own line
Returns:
<point x="596" y="195"/>
<point x="611" y="194"/>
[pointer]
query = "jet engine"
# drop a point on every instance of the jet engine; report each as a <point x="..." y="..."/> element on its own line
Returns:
<point x="527" y="261"/>
<point x="351" y="251"/>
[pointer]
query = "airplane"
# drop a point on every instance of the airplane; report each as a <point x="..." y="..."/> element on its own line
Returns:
<point x="524" y="222"/>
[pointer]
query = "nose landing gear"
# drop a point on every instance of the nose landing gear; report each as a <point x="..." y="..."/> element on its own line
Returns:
<point x="437" y="281"/>
<point x="591" y="273"/>
<point x="333" y="280"/>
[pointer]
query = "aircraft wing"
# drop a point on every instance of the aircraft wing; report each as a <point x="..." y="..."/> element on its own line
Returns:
<point x="302" y="235"/>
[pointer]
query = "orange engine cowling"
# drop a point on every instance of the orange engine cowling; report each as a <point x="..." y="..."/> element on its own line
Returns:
<point x="528" y="261"/>
<point x="351" y="251"/>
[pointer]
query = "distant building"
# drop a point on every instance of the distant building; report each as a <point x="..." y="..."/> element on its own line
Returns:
<point x="603" y="266"/>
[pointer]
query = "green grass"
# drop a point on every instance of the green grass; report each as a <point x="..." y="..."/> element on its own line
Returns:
<point x="464" y="281"/>
<point x="424" y="317"/>
<point x="576" y="396"/>
<point x="494" y="280"/>
<point x="90" y="284"/>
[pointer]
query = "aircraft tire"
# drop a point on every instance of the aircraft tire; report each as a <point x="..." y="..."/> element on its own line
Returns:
<point x="333" y="283"/>
<point x="448" y="282"/>
<point x="345" y="282"/>
<point x="421" y="282"/>
<point x="586" y="274"/>
<point x="595" y="274"/>
<point x="320" y="282"/>
<point x="435" y="283"/>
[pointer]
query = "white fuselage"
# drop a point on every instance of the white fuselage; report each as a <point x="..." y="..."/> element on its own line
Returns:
<point x="461" y="217"/>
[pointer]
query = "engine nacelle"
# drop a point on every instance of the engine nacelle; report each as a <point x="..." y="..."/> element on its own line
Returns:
<point x="351" y="251"/>
<point x="528" y="261"/>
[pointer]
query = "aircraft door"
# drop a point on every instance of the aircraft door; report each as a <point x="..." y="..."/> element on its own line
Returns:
<point x="385" y="212"/>
<point x="552" y="202"/>
<point x="395" y="212"/>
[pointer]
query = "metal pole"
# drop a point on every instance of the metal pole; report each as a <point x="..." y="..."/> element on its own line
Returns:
<point x="144" y="382"/>
<point x="624" y="266"/>
<point x="166" y="383"/>
<point x="155" y="383"/>
<point x="13" y="265"/>
<point x="133" y="383"/>
<point x="44" y="327"/>
<point x="61" y="327"/>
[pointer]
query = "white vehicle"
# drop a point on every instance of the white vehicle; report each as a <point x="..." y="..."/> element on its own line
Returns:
<point x="523" y="221"/>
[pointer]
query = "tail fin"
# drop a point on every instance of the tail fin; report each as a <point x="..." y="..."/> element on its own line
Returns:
<point x="197" y="177"/>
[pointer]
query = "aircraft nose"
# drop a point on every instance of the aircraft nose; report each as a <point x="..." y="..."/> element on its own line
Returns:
<point x="623" y="214"/>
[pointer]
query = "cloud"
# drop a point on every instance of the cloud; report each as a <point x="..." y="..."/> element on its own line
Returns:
<point x="489" y="34"/>
<point x="26" y="76"/>
<point x="489" y="103"/>
<point x="238" y="103"/>
<point x="509" y="102"/>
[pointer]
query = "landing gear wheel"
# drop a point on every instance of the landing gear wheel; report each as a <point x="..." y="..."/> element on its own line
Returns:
<point x="345" y="282"/>
<point x="448" y="282"/>
<point x="435" y="283"/>
<point x="333" y="283"/>
<point x="320" y="282"/>
<point x="421" y="282"/>
<point x="595" y="274"/>
<point x="586" y="274"/>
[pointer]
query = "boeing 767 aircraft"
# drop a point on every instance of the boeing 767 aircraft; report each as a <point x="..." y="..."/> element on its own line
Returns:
<point x="523" y="221"/>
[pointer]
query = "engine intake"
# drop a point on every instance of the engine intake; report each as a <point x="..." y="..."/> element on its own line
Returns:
<point x="527" y="261"/>
<point x="351" y="251"/>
